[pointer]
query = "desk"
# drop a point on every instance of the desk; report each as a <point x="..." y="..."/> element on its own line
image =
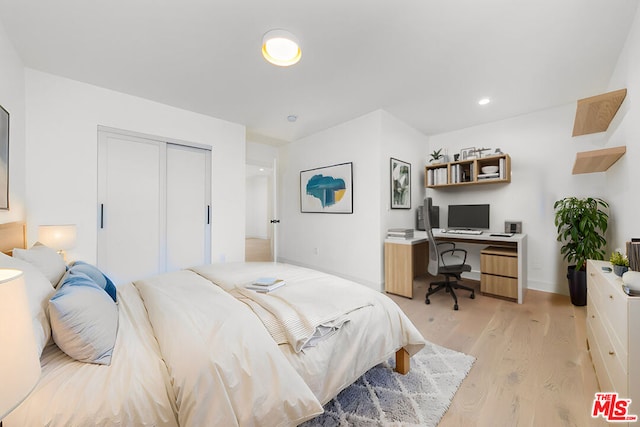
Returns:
<point x="406" y="259"/>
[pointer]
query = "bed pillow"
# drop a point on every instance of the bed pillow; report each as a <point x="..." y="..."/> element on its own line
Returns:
<point x="84" y="319"/>
<point x="47" y="260"/>
<point x="97" y="276"/>
<point x="39" y="290"/>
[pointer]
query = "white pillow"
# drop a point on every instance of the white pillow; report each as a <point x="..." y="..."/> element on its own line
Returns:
<point x="39" y="290"/>
<point x="45" y="259"/>
<point x="84" y="319"/>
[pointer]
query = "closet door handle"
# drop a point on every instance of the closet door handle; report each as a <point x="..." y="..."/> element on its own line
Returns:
<point x="208" y="214"/>
<point x="101" y="215"/>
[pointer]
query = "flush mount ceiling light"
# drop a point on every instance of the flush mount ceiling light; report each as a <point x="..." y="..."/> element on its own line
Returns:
<point x="281" y="48"/>
<point x="484" y="101"/>
<point x="292" y="118"/>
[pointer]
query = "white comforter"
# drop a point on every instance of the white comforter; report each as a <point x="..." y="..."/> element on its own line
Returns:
<point x="371" y="334"/>
<point x="225" y="368"/>
<point x="135" y="390"/>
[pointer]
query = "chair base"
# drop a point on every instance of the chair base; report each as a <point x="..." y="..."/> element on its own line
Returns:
<point x="448" y="286"/>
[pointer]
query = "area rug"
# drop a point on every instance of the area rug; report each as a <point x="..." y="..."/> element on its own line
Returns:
<point x="382" y="397"/>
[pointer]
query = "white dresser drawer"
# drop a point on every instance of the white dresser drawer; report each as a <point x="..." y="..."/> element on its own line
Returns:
<point x="613" y="362"/>
<point x="611" y="303"/>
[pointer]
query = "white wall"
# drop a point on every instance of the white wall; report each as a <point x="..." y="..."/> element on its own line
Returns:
<point x="350" y="245"/>
<point x="542" y="154"/>
<point x="347" y="244"/>
<point x="623" y="179"/>
<point x="62" y="120"/>
<point x="12" y="98"/>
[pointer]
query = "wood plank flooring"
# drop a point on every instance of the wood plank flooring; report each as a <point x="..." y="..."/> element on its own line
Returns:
<point x="532" y="364"/>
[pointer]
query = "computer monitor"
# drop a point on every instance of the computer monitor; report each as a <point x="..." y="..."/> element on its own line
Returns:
<point x="468" y="216"/>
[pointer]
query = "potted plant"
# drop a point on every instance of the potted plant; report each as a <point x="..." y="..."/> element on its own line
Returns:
<point x="436" y="156"/>
<point x="581" y="224"/>
<point x="620" y="263"/>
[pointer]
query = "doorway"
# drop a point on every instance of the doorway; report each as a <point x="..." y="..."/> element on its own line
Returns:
<point x="260" y="244"/>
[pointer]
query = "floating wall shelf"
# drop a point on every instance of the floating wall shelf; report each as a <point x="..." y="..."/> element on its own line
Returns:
<point x="597" y="160"/>
<point x="594" y="114"/>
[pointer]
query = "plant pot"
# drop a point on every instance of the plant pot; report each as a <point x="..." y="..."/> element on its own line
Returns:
<point x="577" y="286"/>
<point x="619" y="270"/>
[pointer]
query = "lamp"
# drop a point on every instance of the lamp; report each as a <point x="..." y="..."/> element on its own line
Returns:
<point x="58" y="237"/>
<point x="281" y="48"/>
<point x="19" y="361"/>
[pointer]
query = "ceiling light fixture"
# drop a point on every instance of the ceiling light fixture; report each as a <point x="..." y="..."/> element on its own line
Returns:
<point x="292" y="118"/>
<point x="281" y="48"/>
<point x="484" y="101"/>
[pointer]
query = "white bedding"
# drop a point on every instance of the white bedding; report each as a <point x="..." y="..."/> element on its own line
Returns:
<point x="226" y="370"/>
<point x="135" y="390"/>
<point x="371" y="335"/>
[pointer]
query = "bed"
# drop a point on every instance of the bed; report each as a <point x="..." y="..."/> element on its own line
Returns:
<point x="193" y="347"/>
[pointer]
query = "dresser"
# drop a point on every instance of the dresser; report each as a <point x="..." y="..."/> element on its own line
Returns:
<point x="613" y="333"/>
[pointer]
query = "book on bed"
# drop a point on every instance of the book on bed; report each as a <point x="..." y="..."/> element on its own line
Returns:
<point x="266" y="284"/>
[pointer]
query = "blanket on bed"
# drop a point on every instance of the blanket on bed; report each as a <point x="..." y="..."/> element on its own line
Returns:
<point x="309" y="308"/>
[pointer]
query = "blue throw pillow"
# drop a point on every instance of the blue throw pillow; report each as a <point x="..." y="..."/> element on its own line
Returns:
<point x="84" y="320"/>
<point x="96" y="275"/>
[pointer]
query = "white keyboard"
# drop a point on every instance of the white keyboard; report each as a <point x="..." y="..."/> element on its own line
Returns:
<point x="456" y="231"/>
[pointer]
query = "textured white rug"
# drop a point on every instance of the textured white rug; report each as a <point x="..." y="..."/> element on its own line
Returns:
<point x="382" y="397"/>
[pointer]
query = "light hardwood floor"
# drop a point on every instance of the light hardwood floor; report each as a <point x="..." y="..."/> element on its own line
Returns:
<point x="532" y="364"/>
<point x="257" y="249"/>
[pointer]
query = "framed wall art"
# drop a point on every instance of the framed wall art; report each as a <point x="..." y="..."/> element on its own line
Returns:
<point x="4" y="158"/>
<point x="327" y="189"/>
<point x="400" y="184"/>
<point x="468" y="153"/>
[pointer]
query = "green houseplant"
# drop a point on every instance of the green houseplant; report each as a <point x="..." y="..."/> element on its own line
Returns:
<point x="436" y="156"/>
<point x="620" y="263"/>
<point x="581" y="224"/>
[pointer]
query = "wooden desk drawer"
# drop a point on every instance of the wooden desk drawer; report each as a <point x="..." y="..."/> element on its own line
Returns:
<point x="499" y="261"/>
<point x="499" y="285"/>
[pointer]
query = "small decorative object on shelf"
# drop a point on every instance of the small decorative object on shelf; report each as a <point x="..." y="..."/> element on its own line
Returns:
<point x="436" y="156"/>
<point x="468" y="153"/>
<point x="620" y="263"/>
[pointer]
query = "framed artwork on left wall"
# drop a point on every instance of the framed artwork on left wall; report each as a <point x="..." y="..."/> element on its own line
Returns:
<point x="400" y="184"/>
<point x="4" y="158"/>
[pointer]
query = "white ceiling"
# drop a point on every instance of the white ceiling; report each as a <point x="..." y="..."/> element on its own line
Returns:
<point x="427" y="62"/>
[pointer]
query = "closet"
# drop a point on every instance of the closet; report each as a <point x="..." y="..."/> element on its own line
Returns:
<point x="154" y="204"/>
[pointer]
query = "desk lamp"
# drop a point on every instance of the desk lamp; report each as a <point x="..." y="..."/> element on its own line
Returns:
<point x="19" y="361"/>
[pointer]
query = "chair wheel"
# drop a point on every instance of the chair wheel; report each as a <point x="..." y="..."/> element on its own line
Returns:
<point x="473" y="296"/>
<point x="455" y="307"/>
<point x="426" y="301"/>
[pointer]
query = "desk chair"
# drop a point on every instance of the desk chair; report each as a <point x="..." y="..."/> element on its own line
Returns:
<point x="438" y="266"/>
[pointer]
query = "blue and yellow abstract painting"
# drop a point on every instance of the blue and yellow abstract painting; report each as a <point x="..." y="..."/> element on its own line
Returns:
<point x="327" y="189"/>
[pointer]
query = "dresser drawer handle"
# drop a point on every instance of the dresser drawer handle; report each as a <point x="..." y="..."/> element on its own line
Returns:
<point x="611" y="353"/>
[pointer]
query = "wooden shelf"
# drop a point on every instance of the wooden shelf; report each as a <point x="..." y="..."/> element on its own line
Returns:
<point x="467" y="172"/>
<point x="595" y="113"/>
<point x="597" y="160"/>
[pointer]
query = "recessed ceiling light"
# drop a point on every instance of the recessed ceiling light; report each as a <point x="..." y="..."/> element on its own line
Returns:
<point x="484" y="101"/>
<point x="292" y="118"/>
<point x="281" y="48"/>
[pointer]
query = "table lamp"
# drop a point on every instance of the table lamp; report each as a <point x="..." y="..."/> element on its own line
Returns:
<point x="58" y="237"/>
<point x="19" y="360"/>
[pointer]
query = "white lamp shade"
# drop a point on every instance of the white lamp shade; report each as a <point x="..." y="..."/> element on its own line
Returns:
<point x="19" y="361"/>
<point x="59" y="237"/>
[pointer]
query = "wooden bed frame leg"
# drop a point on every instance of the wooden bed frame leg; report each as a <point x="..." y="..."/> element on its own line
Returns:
<point x="403" y="361"/>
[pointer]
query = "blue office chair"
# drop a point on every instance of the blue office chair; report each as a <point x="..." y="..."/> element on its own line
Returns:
<point x="438" y="266"/>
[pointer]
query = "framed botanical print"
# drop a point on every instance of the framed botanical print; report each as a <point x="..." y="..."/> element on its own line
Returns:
<point x="400" y="184"/>
<point x="4" y="158"/>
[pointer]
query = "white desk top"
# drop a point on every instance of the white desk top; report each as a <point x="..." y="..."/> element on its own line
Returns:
<point x="421" y="236"/>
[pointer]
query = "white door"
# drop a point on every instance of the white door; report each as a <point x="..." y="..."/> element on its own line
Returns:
<point x="130" y="201"/>
<point x="188" y="207"/>
<point x="153" y="206"/>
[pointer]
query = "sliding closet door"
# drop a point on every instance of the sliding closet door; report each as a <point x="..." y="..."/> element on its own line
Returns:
<point x="154" y="202"/>
<point x="188" y="207"/>
<point x="130" y="203"/>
